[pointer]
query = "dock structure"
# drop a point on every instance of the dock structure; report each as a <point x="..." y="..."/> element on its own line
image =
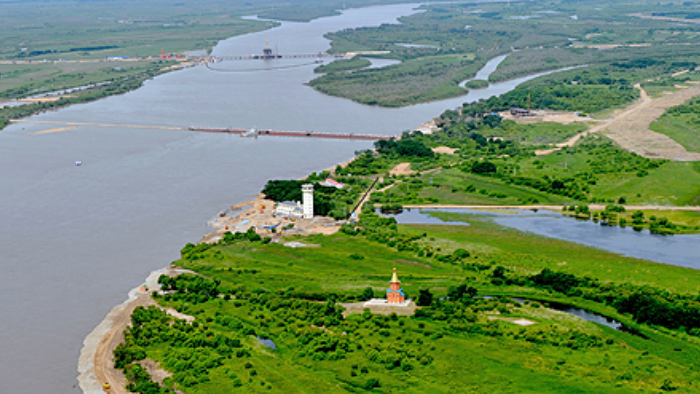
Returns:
<point x="289" y="133"/>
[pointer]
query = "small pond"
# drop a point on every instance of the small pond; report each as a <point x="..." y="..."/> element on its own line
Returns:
<point x="578" y="312"/>
<point x="268" y="343"/>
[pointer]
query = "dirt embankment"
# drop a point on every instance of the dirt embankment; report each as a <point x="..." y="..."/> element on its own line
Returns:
<point x="629" y="127"/>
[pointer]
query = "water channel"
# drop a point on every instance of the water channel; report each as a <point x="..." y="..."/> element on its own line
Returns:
<point x="74" y="239"/>
<point x="680" y="250"/>
<point x="578" y="312"/>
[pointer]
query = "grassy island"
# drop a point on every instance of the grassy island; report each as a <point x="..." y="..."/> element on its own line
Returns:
<point x="448" y="43"/>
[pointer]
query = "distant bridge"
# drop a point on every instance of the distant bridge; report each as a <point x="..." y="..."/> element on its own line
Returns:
<point x="268" y="55"/>
<point x="228" y="130"/>
<point x="288" y="133"/>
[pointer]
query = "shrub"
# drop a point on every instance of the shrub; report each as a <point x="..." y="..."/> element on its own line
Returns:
<point x="371" y="383"/>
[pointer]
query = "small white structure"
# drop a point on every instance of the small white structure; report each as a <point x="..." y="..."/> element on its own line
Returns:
<point x="307" y="193"/>
<point x="290" y="209"/>
<point x="382" y="302"/>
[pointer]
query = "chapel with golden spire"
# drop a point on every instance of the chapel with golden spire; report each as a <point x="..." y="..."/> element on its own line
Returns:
<point x="394" y="294"/>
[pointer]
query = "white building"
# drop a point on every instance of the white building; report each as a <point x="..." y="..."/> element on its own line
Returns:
<point x="290" y="209"/>
<point x="307" y="192"/>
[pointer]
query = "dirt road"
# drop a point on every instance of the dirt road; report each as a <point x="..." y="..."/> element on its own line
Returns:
<point x="632" y="131"/>
<point x="630" y="127"/>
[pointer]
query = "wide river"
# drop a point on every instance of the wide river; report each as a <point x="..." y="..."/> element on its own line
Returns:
<point x="74" y="240"/>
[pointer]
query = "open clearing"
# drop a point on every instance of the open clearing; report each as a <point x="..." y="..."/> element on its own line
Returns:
<point x="630" y="127"/>
<point x="560" y="117"/>
<point x="402" y="169"/>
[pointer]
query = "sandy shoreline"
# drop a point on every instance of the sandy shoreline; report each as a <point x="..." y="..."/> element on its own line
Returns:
<point x="95" y="362"/>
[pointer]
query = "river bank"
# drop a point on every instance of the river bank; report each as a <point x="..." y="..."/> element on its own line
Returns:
<point x="95" y="365"/>
<point x="38" y="106"/>
<point x="140" y="195"/>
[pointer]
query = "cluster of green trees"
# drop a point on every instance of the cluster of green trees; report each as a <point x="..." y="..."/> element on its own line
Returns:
<point x="366" y="163"/>
<point x="692" y="106"/>
<point x="603" y="157"/>
<point x="405" y="147"/>
<point x="585" y="92"/>
<point x="462" y="311"/>
<point x="190" y="287"/>
<point x="646" y="304"/>
<point x="384" y="230"/>
<point x="290" y="190"/>
<point x="343" y="65"/>
<point x="78" y="49"/>
<point x="569" y="186"/>
<point x="204" y="250"/>
<point x="412" y="81"/>
<point x="468" y="137"/>
<point x="195" y="349"/>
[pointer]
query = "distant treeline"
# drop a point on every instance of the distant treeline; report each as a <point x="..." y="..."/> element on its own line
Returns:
<point x="118" y="86"/>
<point x="79" y="49"/>
<point x="681" y="15"/>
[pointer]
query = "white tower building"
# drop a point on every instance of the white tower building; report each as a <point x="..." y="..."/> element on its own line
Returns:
<point x="307" y="192"/>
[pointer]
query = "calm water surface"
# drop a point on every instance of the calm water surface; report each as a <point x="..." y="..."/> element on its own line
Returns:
<point x="680" y="250"/>
<point x="74" y="239"/>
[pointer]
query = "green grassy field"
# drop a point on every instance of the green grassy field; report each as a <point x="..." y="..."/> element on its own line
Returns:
<point x="542" y="133"/>
<point x="537" y="37"/>
<point x="529" y="253"/>
<point x="672" y="183"/>
<point x="35" y="78"/>
<point x="682" y="124"/>
<point x="593" y="171"/>
<point x="452" y="186"/>
<point x="415" y="80"/>
<point x="71" y="36"/>
<point x="270" y="290"/>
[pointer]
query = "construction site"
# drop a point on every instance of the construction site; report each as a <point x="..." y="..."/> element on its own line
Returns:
<point x="260" y="214"/>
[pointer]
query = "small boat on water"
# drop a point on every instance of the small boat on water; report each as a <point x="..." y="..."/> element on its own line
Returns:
<point x="78" y="163"/>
